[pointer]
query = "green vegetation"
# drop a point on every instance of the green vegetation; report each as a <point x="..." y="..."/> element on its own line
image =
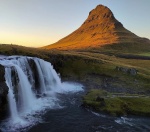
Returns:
<point x="127" y="48"/>
<point x="20" y="50"/>
<point x="145" y="54"/>
<point x="99" y="70"/>
<point x="117" y="104"/>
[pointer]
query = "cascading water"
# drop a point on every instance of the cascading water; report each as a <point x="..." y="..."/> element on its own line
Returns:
<point x="11" y="98"/>
<point x="41" y="78"/>
<point x="32" y="84"/>
<point x="26" y="96"/>
<point x="52" y="80"/>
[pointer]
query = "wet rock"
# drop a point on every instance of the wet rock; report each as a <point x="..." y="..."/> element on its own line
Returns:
<point x="36" y="80"/>
<point x="3" y="91"/>
<point x="132" y="71"/>
<point x="99" y="99"/>
<point x="15" y="81"/>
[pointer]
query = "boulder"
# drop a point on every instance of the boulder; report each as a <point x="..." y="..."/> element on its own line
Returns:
<point x="99" y="99"/>
<point x="131" y="71"/>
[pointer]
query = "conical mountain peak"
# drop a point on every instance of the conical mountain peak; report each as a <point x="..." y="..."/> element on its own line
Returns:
<point x="99" y="29"/>
<point x="103" y="17"/>
<point x="101" y="12"/>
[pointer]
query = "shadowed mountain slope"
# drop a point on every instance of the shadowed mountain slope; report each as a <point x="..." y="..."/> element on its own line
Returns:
<point x="99" y="29"/>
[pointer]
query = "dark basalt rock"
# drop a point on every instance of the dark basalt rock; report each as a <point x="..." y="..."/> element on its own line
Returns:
<point x="131" y="71"/>
<point x="99" y="99"/>
<point x="3" y="91"/>
<point x="36" y="81"/>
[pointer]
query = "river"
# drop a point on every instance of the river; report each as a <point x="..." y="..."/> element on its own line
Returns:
<point x="74" y="118"/>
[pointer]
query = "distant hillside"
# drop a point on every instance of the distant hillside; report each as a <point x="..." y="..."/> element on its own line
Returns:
<point x="101" y="29"/>
<point x="9" y="49"/>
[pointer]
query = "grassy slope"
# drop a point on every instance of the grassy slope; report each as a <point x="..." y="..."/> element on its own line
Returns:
<point x="116" y="104"/>
<point x="6" y="49"/>
<point x="99" y="70"/>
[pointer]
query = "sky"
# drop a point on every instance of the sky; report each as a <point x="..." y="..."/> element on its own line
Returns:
<point x="36" y="23"/>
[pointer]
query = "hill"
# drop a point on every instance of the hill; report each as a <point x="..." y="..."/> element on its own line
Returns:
<point x="10" y="49"/>
<point x="101" y="30"/>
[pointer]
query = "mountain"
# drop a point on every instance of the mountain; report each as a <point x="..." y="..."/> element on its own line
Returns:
<point x="100" y="29"/>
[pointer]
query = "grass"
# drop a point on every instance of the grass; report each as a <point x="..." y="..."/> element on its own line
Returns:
<point x="20" y="50"/>
<point x="94" y="68"/>
<point x="117" y="105"/>
<point x="145" y="54"/>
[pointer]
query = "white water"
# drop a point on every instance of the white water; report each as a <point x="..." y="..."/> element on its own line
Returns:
<point x="23" y="103"/>
<point x="26" y="98"/>
<point x="124" y="120"/>
<point x="41" y="77"/>
<point x="24" y="65"/>
<point x="48" y="76"/>
<point x="11" y="98"/>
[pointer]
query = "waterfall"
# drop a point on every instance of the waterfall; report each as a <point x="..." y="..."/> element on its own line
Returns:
<point x="33" y="84"/>
<point x="26" y="97"/>
<point x="52" y="80"/>
<point x="22" y="95"/>
<point x="41" y="77"/>
<point x="11" y="98"/>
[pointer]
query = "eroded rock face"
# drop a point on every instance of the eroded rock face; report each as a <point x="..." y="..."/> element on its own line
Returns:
<point x="3" y="91"/>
